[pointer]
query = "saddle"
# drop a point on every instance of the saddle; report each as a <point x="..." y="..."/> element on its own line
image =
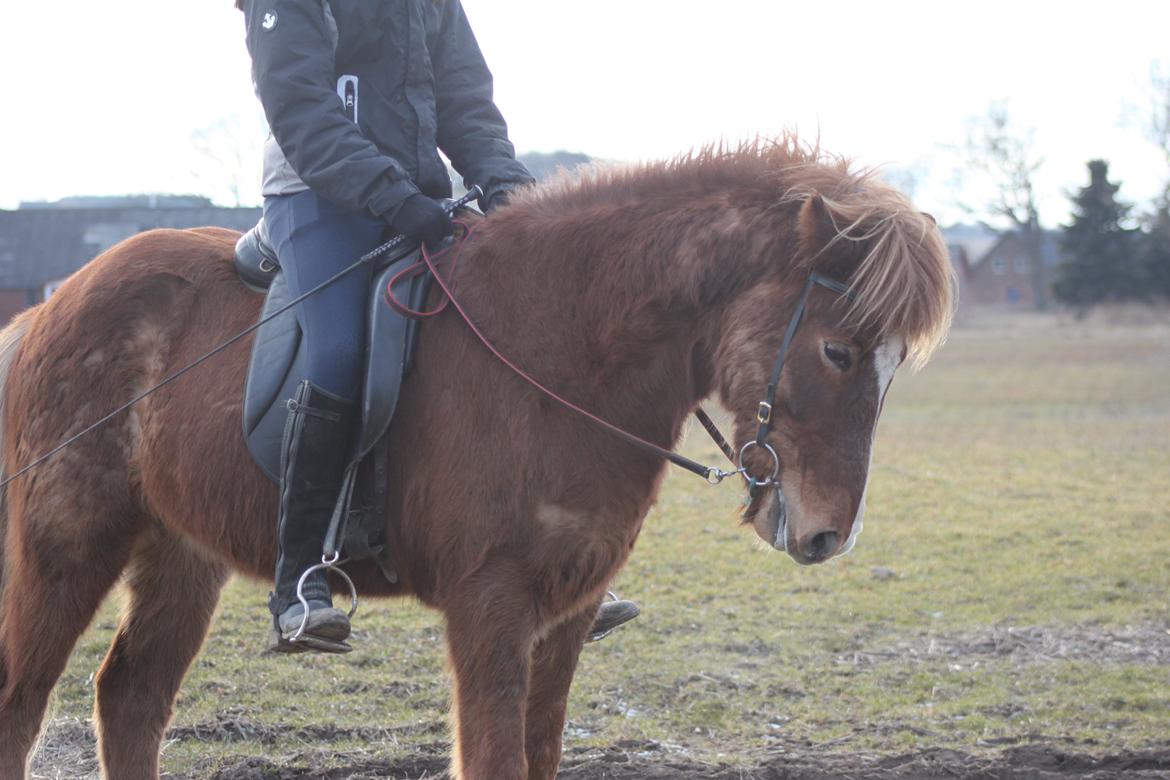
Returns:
<point x="277" y="367"/>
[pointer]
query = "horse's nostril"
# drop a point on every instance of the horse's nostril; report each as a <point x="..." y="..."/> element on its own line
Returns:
<point x="821" y="546"/>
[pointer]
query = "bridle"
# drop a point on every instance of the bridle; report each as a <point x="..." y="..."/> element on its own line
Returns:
<point x="764" y="411"/>
<point x="713" y="475"/>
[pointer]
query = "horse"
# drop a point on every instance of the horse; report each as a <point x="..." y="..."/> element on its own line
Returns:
<point x="633" y="292"/>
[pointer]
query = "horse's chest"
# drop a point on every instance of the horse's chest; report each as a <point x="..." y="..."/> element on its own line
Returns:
<point x="577" y="551"/>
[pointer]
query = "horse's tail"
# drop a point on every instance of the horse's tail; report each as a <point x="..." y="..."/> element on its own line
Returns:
<point x="10" y="338"/>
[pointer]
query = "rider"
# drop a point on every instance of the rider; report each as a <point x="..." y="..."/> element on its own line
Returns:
<point x="360" y="95"/>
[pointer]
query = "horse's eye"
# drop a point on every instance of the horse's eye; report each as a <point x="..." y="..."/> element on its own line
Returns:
<point x="839" y="356"/>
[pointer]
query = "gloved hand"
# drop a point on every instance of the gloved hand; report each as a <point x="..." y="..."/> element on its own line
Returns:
<point x="423" y="219"/>
<point x="498" y="198"/>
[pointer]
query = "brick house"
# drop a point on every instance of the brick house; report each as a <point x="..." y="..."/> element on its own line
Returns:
<point x="995" y="270"/>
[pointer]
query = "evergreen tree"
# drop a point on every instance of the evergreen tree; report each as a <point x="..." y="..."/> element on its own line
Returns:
<point x="1154" y="255"/>
<point x="1100" y="261"/>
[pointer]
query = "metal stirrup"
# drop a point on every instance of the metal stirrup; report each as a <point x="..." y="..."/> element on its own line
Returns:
<point x="328" y="563"/>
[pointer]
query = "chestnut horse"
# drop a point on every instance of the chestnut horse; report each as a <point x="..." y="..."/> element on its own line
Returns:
<point x="635" y="293"/>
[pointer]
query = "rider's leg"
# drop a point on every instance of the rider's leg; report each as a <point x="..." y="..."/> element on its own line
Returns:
<point x="314" y="240"/>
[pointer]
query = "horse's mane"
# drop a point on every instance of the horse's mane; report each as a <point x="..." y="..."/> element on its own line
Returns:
<point x="903" y="283"/>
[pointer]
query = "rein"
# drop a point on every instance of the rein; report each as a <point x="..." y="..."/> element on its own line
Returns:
<point x="711" y="474"/>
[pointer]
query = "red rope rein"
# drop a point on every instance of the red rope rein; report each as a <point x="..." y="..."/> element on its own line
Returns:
<point x="428" y="263"/>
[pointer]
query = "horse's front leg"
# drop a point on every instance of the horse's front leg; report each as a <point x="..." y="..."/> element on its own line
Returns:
<point x="553" y="663"/>
<point x="490" y="634"/>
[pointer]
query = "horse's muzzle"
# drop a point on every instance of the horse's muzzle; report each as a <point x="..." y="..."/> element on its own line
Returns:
<point x="815" y="548"/>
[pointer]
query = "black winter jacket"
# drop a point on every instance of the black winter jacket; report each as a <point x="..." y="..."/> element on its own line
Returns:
<point x="412" y="73"/>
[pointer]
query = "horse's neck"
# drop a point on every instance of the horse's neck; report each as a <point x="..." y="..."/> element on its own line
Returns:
<point x="626" y="319"/>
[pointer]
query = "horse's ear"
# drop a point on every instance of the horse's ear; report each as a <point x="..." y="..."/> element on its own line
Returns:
<point x="815" y="227"/>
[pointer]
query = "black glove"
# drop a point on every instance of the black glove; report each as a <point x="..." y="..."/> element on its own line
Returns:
<point x="422" y="219"/>
<point x="498" y="198"/>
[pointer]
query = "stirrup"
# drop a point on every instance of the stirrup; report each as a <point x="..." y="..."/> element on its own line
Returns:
<point x="329" y="563"/>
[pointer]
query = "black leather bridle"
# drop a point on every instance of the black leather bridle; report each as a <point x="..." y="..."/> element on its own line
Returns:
<point x="764" y="411"/>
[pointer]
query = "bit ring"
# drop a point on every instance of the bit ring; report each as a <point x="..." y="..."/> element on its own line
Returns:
<point x="771" y="479"/>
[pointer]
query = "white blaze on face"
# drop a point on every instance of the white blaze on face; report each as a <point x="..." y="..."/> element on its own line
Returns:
<point x="886" y="359"/>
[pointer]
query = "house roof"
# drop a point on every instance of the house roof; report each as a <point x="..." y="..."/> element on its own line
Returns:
<point x="1050" y="254"/>
<point x="981" y="243"/>
<point x="41" y="244"/>
<point x="974" y="240"/>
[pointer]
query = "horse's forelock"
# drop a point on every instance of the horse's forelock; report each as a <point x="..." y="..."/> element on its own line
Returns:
<point x="904" y="282"/>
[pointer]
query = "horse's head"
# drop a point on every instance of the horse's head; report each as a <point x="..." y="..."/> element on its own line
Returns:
<point x="839" y="363"/>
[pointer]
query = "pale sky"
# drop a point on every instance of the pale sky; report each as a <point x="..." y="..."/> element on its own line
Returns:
<point x="103" y="98"/>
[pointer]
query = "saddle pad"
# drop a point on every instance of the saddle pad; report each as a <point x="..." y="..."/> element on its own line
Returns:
<point x="278" y="362"/>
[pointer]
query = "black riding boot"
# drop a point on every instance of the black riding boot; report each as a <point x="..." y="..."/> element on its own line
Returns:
<point x="313" y="458"/>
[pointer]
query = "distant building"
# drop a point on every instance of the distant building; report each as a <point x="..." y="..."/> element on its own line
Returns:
<point x="544" y="164"/>
<point x="42" y="244"/>
<point x="994" y="269"/>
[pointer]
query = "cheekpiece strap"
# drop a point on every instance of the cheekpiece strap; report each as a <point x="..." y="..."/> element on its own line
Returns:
<point x="764" y="413"/>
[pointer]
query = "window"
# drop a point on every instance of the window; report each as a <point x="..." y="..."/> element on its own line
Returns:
<point x="1021" y="264"/>
<point x="998" y="266"/>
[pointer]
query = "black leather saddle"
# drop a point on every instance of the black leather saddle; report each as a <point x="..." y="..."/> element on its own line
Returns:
<point x="278" y="359"/>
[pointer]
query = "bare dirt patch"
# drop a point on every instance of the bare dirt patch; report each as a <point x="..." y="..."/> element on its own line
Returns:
<point x="1034" y="762"/>
<point x="68" y="752"/>
<point x="1140" y="644"/>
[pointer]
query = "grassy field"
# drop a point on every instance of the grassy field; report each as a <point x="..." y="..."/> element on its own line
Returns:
<point x="1010" y="587"/>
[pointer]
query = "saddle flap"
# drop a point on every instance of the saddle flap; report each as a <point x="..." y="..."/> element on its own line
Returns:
<point x="390" y="347"/>
<point x="276" y="367"/>
<point x="278" y="364"/>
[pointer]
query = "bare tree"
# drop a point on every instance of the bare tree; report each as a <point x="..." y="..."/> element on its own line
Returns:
<point x="1002" y="158"/>
<point x="227" y="156"/>
<point x="1155" y="252"/>
<point x="1157" y="123"/>
<point x="907" y="178"/>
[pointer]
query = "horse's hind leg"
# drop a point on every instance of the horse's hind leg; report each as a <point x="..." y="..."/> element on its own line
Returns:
<point x="173" y="591"/>
<point x="57" y="572"/>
